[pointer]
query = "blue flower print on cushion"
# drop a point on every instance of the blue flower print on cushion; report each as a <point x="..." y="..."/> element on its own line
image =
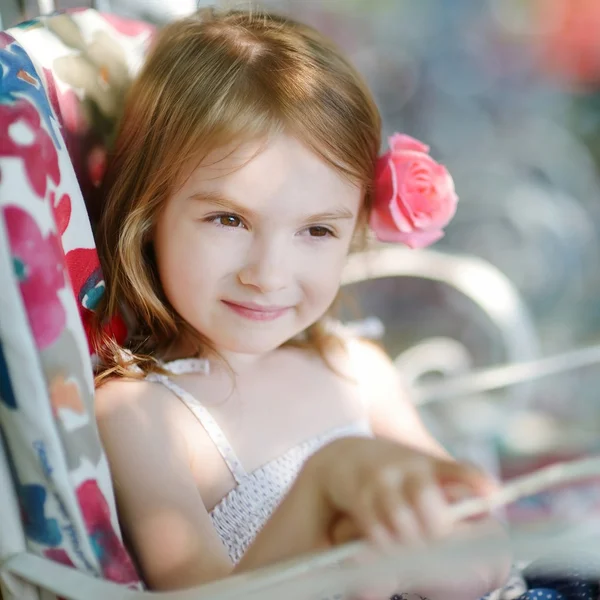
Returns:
<point x="19" y="78"/>
<point x="7" y="395"/>
<point x="38" y="527"/>
<point x="567" y="579"/>
<point x="544" y="594"/>
<point x="30" y="24"/>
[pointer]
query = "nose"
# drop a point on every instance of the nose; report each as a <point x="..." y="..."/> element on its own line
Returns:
<point x="265" y="267"/>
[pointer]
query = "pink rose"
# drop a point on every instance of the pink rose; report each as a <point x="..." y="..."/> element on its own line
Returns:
<point x="414" y="195"/>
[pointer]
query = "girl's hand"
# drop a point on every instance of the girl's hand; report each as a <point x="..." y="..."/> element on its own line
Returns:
<point x="385" y="492"/>
<point x="388" y="493"/>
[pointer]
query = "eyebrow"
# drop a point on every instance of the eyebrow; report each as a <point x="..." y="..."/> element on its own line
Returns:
<point x="220" y="200"/>
<point x="213" y="197"/>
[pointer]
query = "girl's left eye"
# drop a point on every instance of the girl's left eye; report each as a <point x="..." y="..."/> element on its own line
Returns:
<point x="319" y="231"/>
<point x="227" y="220"/>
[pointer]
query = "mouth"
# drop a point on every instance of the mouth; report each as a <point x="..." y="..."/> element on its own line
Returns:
<point x="256" y="312"/>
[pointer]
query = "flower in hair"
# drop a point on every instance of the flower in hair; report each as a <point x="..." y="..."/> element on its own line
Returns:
<point x="414" y="197"/>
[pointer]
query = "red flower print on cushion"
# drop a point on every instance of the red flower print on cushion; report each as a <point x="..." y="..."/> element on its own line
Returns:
<point x="115" y="329"/>
<point x="128" y="27"/>
<point x="116" y="564"/>
<point x="96" y="164"/>
<point x="85" y="274"/>
<point x="5" y="40"/>
<point x="88" y="284"/>
<point x="84" y="141"/>
<point x="61" y="209"/>
<point x="38" y="266"/>
<point x="66" y="105"/>
<point x="59" y="555"/>
<point x="22" y="136"/>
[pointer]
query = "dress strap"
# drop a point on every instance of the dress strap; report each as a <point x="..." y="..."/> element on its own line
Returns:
<point x="208" y="422"/>
<point x="187" y="365"/>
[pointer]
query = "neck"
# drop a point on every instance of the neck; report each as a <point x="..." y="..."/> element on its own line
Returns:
<point x="237" y="362"/>
<point x="220" y="359"/>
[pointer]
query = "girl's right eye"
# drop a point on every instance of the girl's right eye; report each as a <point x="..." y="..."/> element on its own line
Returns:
<point x="227" y="220"/>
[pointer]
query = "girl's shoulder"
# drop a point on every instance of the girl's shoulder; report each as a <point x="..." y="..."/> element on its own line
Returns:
<point x="365" y="371"/>
<point x="133" y="400"/>
<point x="363" y="360"/>
<point x="136" y="415"/>
<point x="348" y="357"/>
<point x="123" y="390"/>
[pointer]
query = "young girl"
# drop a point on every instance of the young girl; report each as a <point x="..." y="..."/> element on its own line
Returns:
<point x="241" y="177"/>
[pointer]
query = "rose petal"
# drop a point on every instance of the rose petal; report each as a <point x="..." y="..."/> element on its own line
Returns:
<point x="398" y="209"/>
<point x="381" y="220"/>
<point x="385" y="206"/>
<point x="400" y="141"/>
<point x="438" y="216"/>
<point x="432" y="210"/>
<point x="384" y="184"/>
<point x="420" y="239"/>
<point x="385" y="232"/>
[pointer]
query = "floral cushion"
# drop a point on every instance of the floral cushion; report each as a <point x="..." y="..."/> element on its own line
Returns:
<point x="62" y="80"/>
<point x="85" y="62"/>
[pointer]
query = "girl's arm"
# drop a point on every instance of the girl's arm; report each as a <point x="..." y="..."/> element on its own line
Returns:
<point x="359" y="485"/>
<point x="393" y="416"/>
<point x="360" y="488"/>
<point x="361" y="482"/>
<point x="160" y="508"/>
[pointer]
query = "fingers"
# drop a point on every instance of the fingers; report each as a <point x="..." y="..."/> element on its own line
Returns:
<point x="429" y="504"/>
<point x="378" y="514"/>
<point x="392" y="510"/>
<point x="407" y="526"/>
<point x="403" y="508"/>
<point x="449" y="472"/>
<point x="368" y="519"/>
<point x="401" y="497"/>
<point x="344" y="530"/>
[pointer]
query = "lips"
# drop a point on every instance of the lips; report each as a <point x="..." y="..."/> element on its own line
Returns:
<point x="256" y="312"/>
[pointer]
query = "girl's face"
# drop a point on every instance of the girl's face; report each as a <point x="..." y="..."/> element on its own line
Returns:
<point x="250" y="250"/>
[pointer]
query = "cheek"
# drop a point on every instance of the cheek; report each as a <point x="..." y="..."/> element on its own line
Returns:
<point x="187" y="262"/>
<point x="323" y="279"/>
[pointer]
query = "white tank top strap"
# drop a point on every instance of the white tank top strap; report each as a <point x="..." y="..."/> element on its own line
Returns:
<point x="187" y="365"/>
<point x="207" y="421"/>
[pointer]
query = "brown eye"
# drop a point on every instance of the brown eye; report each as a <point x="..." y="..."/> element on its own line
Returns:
<point x="228" y="221"/>
<point x="318" y="231"/>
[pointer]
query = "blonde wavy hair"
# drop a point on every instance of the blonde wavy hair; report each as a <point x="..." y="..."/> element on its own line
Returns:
<point x="211" y="80"/>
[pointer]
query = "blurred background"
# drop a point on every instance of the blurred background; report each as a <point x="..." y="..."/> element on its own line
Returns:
<point x="507" y="94"/>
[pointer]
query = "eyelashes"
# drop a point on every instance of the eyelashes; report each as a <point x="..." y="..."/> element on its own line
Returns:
<point x="233" y="221"/>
